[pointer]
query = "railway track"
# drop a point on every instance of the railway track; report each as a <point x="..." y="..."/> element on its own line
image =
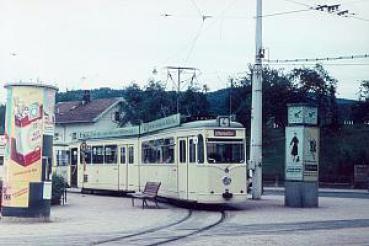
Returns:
<point x="193" y="223"/>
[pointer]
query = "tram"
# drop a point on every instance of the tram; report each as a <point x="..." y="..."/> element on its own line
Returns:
<point x="201" y="161"/>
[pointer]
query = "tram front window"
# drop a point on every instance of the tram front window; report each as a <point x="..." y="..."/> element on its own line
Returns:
<point x="219" y="151"/>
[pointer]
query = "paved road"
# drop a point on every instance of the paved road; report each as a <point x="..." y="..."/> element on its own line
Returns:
<point x="344" y="193"/>
<point x="104" y="220"/>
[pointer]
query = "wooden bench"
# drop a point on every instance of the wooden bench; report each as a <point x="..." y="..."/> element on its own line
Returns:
<point x="150" y="193"/>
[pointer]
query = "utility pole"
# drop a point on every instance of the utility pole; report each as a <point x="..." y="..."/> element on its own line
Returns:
<point x="178" y="87"/>
<point x="179" y="71"/>
<point x="256" y="109"/>
<point x="230" y="98"/>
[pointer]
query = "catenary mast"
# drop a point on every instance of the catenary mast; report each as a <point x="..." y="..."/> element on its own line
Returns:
<point x="256" y="109"/>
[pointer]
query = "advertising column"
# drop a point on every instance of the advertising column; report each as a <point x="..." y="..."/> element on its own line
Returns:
<point x="302" y="156"/>
<point x="29" y="130"/>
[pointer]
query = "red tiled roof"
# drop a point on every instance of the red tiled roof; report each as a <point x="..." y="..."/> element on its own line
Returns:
<point x="75" y="112"/>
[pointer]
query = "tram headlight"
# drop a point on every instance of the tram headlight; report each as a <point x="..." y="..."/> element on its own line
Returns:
<point x="227" y="180"/>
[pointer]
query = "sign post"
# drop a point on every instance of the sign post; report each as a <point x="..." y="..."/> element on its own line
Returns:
<point x="302" y="156"/>
<point x="29" y="129"/>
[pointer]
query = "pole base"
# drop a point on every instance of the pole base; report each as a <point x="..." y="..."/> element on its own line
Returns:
<point x="300" y="194"/>
<point x="21" y="220"/>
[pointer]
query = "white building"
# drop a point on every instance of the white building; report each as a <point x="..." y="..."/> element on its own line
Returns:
<point x="75" y="117"/>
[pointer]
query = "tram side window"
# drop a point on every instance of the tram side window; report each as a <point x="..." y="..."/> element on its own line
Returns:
<point x="149" y="152"/>
<point x="87" y="154"/>
<point x="158" y="151"/>
<point x="123" y="155"/>
<point x="110" y="154"/>
<point x="200" y="149"/>
<point x="1" y="160"/>
<point x="62" y="157"/>
<point x="182" y="151"/>
<point x="74" y="157"/>
<point x="131" y="155"/>
<point x="97" y="155"/>
<point x="192" y="151"/>
<point x="167" y="149"/>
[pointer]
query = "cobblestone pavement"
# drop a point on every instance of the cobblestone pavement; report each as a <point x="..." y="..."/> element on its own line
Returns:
<point x="104" y="220"/>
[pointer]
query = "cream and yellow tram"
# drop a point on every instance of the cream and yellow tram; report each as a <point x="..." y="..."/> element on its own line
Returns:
<point x="200" y="161"/>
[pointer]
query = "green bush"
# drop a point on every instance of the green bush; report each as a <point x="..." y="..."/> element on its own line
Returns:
<point x="58" y="186"/>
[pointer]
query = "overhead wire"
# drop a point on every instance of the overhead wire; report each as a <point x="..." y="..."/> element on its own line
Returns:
<point x="194" y="41"/>
<point x="286" y="13"/>
<point x="314" y="7"/>
<point x="197" y="7"/>
<point x="298" y="3"/>
<point x="313" y="64"/>
<point x="317" y="59"/>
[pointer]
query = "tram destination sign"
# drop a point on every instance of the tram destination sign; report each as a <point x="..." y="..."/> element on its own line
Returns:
<point x="224" y="133"/>
<point x="160" y="124"/>
<point x="120" y="132"/>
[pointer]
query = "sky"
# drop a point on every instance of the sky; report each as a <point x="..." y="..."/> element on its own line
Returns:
<point x="85" y="44"/>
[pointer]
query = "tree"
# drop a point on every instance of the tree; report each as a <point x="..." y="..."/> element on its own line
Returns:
<point x="360" y="110"/>
<point x="315" y="84"/>
<point x="156" y="103"/>
<point x="193" y="102"/>
<point x="132" y="107"/>
<point x="277" y="92"/>
<point x="364" y="91"/>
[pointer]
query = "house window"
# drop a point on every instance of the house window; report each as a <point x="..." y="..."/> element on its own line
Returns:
<point x="56" y="136"/>
<point x="115" y="116"/>
<point x="74" y="135"/>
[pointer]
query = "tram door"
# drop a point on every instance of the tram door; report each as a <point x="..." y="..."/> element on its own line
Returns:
<point x="128" y="169"/>
<point x="182" y="174"/>
<point x="74" y="167"/>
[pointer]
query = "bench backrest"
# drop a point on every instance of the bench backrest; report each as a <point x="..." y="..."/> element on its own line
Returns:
<point x="152" y="188"/>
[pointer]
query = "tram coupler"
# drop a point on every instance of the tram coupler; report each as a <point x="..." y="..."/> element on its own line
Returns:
<point x="227" y="195"/>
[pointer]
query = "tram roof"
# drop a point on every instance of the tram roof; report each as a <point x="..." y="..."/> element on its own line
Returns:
<point x="208" y="123"/>
<point x="168" y="123"/>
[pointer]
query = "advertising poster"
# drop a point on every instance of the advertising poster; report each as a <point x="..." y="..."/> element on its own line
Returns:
<point x="48" y="111"/>
<point x="23" y="155"/>
<point x="294" y="153"/>
<point x="311" y="153"/>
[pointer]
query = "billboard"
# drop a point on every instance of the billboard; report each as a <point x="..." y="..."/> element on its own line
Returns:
<point x="29" y="116"/>
<point x="302" y="153"/>
<point x="294" y="153"/>
<point x="311" y="153"/>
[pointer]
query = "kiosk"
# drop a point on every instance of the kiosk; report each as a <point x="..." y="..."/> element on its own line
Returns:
<point x="302" y="156"/>
<point x="29" y="130"/>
